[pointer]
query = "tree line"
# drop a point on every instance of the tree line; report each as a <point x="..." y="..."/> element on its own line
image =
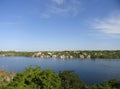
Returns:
<point x="91" y="54"/>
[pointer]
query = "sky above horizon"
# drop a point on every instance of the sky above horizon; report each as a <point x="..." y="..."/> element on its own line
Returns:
<point x="35" y="25"/>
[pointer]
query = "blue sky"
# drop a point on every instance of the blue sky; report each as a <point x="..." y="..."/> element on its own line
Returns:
<point x="35" y="25"/>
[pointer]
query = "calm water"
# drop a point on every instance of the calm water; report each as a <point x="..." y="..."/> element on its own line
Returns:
<point x="91" y="71"/>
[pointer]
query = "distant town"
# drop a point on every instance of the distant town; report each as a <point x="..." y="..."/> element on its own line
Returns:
<point x="90" y="54"/>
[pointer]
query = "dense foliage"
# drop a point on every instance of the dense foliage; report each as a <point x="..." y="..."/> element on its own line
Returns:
<point x="112" y="84"/>
<point x="70" y="80"/>
<point x="35" y="78"/>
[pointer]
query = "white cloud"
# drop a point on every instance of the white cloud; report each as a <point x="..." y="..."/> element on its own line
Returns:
<point x="58" y="1"/>
<point x="62" y="7"/>
<point x="109" y="25"/>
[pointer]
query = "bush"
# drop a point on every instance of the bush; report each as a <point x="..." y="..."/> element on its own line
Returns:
<point x="70" y="80"/>
<point x="35" y="78"/>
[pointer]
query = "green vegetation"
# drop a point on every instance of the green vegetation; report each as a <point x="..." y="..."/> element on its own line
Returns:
<point x="14" y="53"/>
<point x="107" y="54"/>
<point x="112" y="84"/>
<point x="70" y="80"/>
<point x="5" y="78"/>
<point x="35" y="78"/>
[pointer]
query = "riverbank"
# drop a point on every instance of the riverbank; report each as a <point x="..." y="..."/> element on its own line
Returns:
<point x="107" y="54"/>
<point x="35" y="78"/>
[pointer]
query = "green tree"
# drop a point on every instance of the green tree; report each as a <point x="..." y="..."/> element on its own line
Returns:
<point x="70" y="80"/>
<point x="35" y="78"/>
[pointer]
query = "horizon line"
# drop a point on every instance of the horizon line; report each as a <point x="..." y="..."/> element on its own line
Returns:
<point x="59" y="50"/>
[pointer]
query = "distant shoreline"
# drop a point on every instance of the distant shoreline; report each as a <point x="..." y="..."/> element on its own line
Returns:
<point x="87" y="54"/>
